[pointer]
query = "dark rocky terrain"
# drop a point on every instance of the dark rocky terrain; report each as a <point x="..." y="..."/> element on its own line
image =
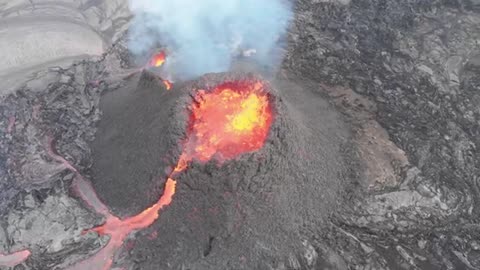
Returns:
<point x="417" y="62"/>
<point x="383" y="94"/>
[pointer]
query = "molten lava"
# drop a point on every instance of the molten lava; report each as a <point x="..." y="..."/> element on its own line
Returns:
<point x="168" y="84"/>
<point x="232" y="119"/>
<point x="11" y="260"/>
<point x="158" y="59"/>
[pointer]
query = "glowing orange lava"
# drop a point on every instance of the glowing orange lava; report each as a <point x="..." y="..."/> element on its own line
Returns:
<point x="168" y="84"/>
<point x="158" y="59"/>
<point x="115" y="227"/>
<point x="232" y="119"/>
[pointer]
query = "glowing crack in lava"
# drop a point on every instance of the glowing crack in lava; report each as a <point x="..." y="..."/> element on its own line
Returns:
<point x="232" y="119"/>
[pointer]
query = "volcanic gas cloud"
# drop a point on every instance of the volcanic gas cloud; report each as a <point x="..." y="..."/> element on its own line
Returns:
<point x="232" y="119"/>
<point x="207" y="35"/>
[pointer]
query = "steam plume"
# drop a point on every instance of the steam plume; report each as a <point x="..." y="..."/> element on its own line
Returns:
<point x="204" y="34"/>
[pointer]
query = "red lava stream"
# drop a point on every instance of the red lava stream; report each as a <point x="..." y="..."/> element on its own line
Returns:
<point x="232" y="119"/>
<point x="114" y="227"/>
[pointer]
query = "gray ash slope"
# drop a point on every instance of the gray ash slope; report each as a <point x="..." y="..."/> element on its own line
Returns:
<point x="252" y="212"/>
<point x="418" y="61"/>
<point x="135" y="138"/>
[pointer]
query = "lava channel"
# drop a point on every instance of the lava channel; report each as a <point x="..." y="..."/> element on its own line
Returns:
<point x="232" y="119"/>
<point x="158" y="60"/>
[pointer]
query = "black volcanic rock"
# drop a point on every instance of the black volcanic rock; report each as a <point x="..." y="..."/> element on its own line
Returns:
<point x="417" y="62"/>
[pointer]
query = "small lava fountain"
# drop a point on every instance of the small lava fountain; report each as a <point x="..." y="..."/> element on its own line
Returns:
<point x="232" y="119"/>
<point x="157" y="59"/>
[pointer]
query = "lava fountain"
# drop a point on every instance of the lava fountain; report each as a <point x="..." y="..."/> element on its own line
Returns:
<point x="157" y="59"/>
<point x="229" y="120"/>
<point x="232" y="119"/>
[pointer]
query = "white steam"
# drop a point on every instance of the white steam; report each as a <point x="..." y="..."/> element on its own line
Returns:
<point x="205" y="34"/>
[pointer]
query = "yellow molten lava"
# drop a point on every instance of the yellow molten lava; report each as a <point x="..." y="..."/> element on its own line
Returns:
<point x="232" y="119"/>
<point x="247" y="118"/>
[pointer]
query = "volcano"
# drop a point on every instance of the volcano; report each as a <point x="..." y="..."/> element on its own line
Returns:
<point x="226" y="140"/>
<point x="231" y="170"/>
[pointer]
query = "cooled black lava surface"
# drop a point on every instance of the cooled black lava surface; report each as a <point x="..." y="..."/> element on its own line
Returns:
<point x="252" y="212"/>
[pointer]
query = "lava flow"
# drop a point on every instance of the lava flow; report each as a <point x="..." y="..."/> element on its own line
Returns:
<point x="168" y="84"/>
<point x="156" y="61"/>
<point x="232" y="119"/>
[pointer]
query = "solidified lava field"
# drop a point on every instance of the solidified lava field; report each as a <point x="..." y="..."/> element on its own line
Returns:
<point x="359" y="152"/>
